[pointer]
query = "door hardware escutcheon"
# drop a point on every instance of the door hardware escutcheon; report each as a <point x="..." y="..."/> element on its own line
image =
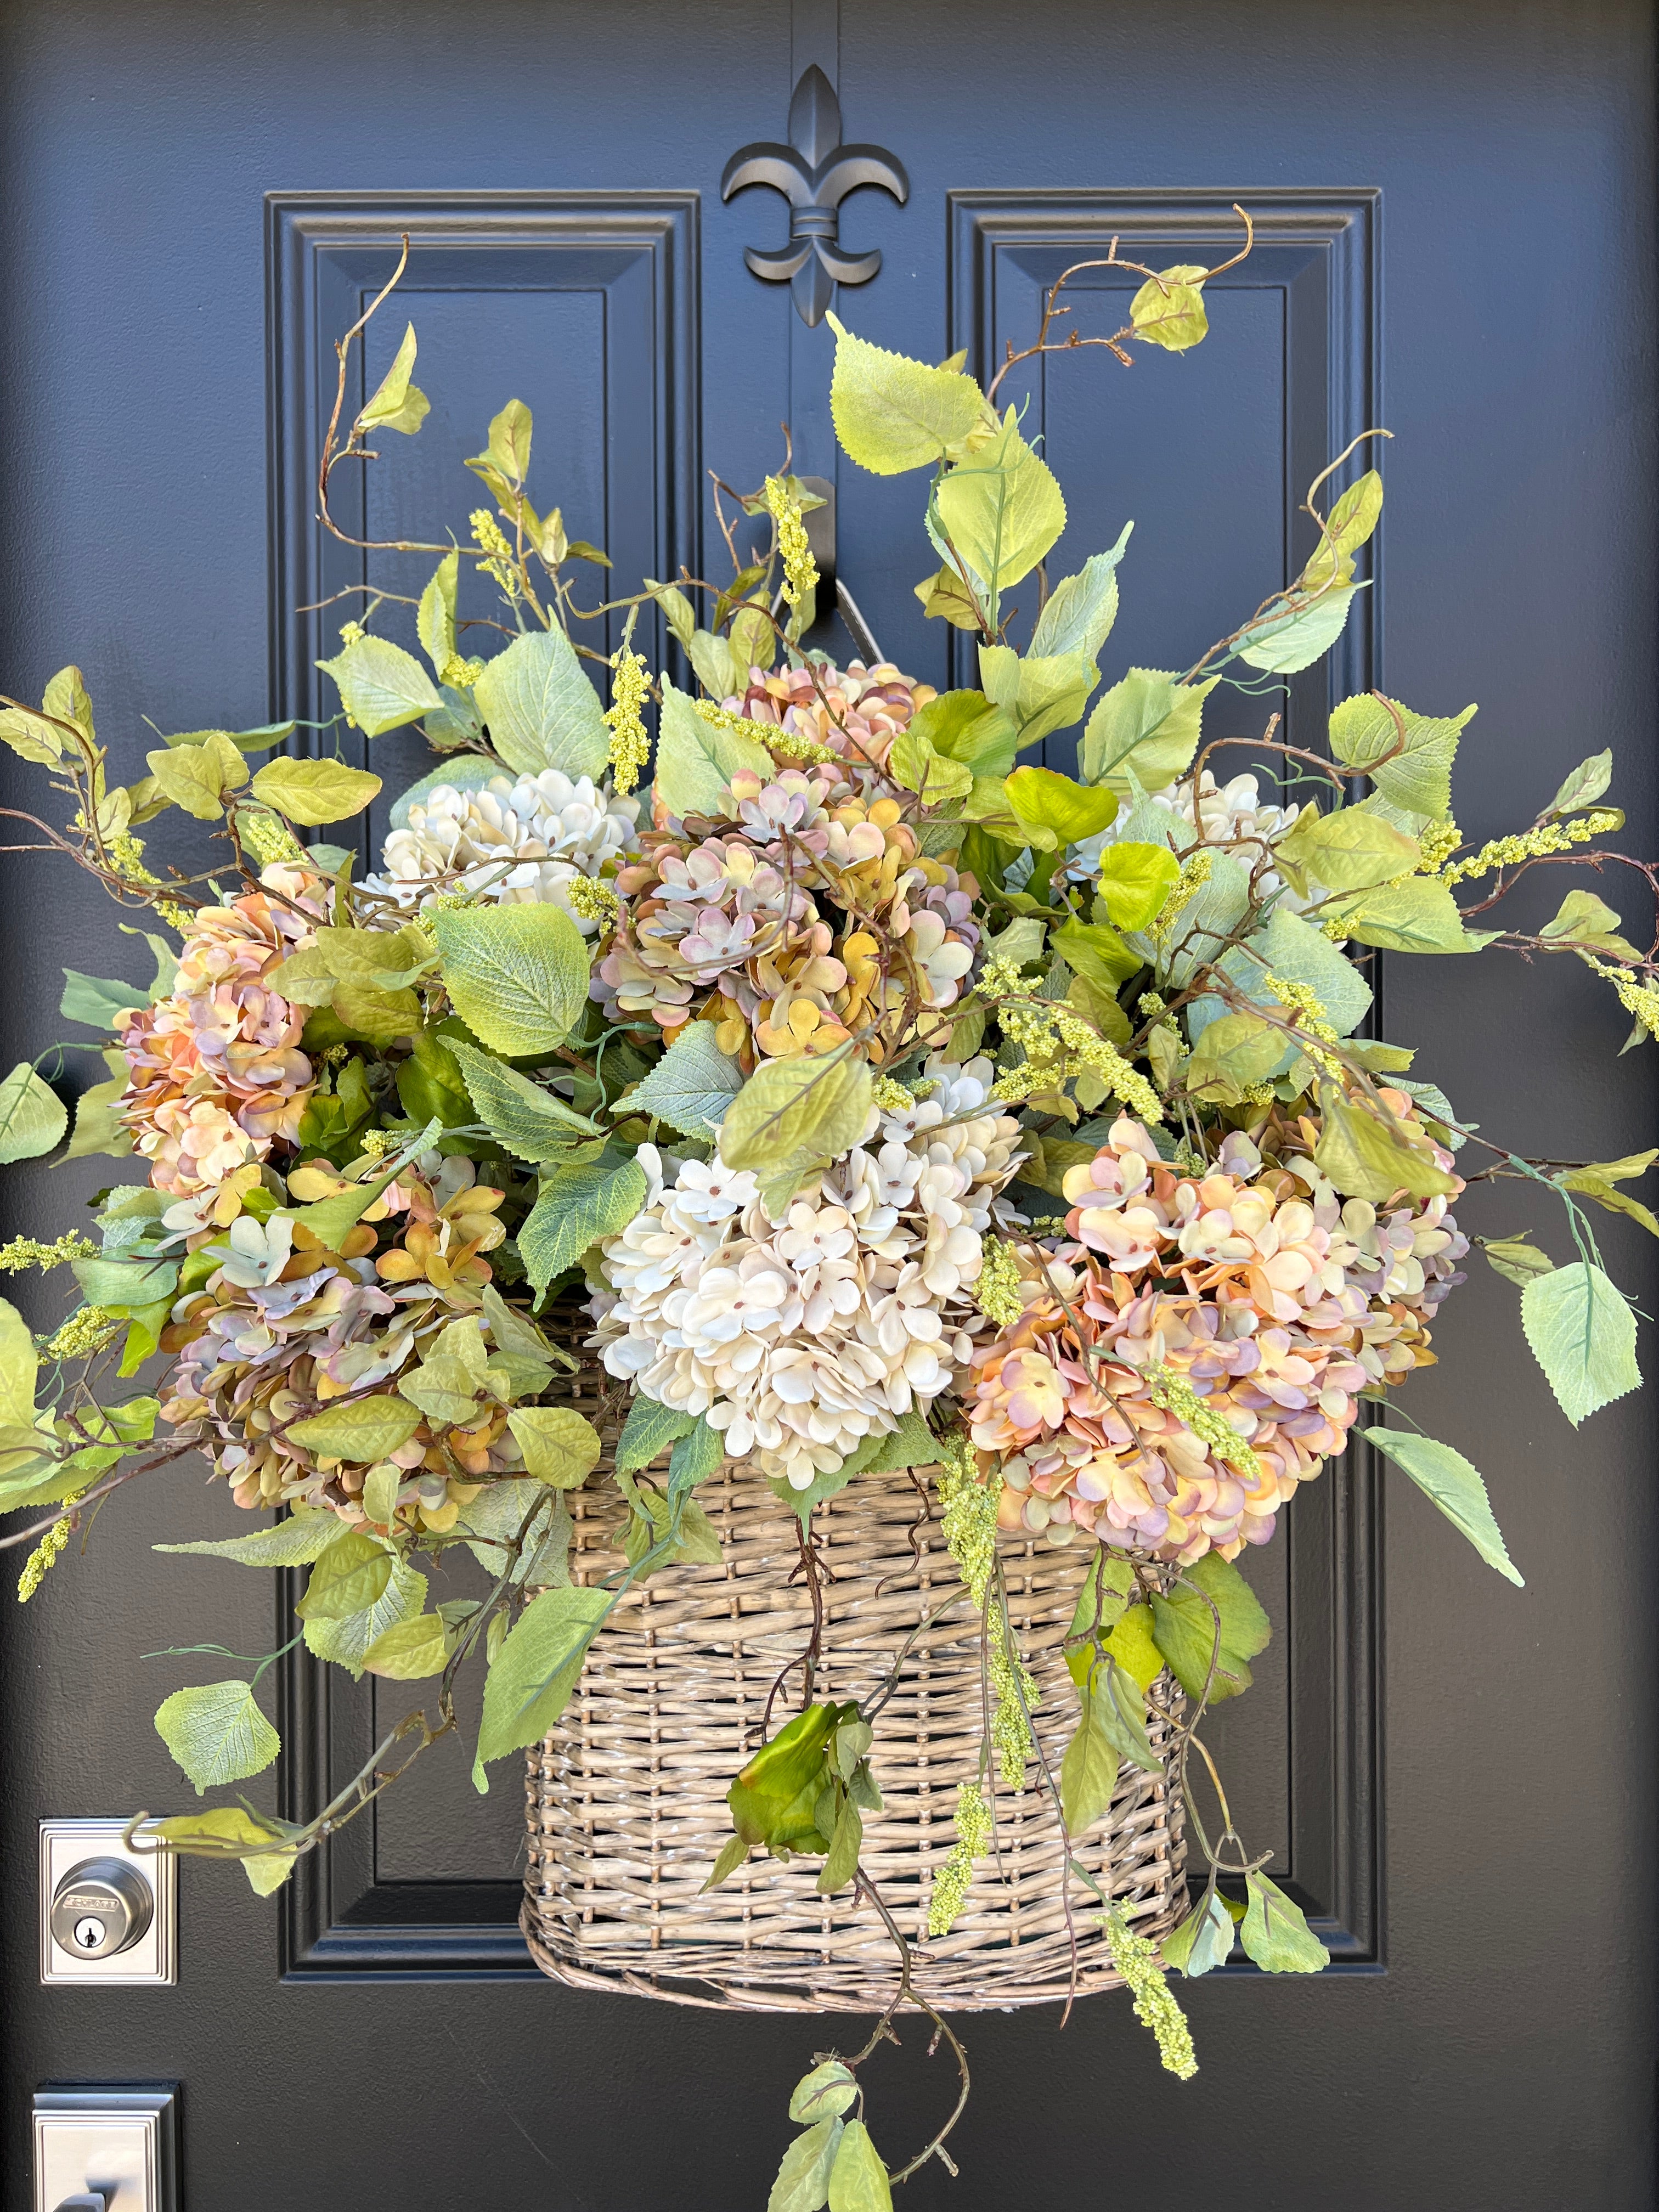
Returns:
<point x="107" y="1913"/>
<point x="106" y="2148"/>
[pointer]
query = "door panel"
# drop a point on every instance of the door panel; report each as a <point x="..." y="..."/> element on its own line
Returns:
<point x="1458" y="1778"/>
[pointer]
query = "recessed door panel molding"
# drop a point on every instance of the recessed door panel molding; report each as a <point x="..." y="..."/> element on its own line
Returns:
<point x="584" y="304"/>
<point x="1300" y="321"/>
<point x="1303" y="351"/>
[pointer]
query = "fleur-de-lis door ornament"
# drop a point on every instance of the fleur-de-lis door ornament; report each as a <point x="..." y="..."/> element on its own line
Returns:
<point x="815" y="173"/>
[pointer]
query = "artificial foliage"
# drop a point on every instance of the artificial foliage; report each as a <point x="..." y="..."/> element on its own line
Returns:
<point x="888" y="1102"/>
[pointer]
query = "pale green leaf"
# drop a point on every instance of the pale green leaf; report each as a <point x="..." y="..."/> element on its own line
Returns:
<point x="1455" y="1487"/>
<point x="824" y="2094"/>
<point x="303" y="1537"/>
<point x="358" y="1429"/>
<point x="1515" y="1259"/>
<point x="1365" y="1157"/>
<point x="1169" y="309"/>
<point x="695" y="759"/>
<point x="1348" y="851"/>
<point x="1582" y="1333"/>
<point x="217" y="1733"/>
<point x="1585" y="918"/>
<point x="434" y="618"/>
<point x="348" y="1642"/>
<point x="347" y="1579"/>
<point x="517" y="975"/>
<point x="450" y="1380"/>
<point x="32" y="1117"/>
<point x="1297" y="631"/>
<point x="541" y="710"/>
<point x="398" y="404"/>
<point x="1135" y="882"/>
<point x="965" y="727"/>
<point x="1204" y="1940"/>
<point x="97" y="1000"/>
<point x="1078" y="613"/>
<point x="913" y="763"/>
<point x="531" y="1122"/>
<point x="858" y="2180"/>
<point x="576" y="1207"/>
<point x="1419" y="915"/>
<point x="804" y="1104"/>
<point x="803" y="2179"/>
<point x="560" y="1447"/>
<point x="1145" y="729"/>
<point x="1275" y="1934"/>
<point x="197" y="777"/>
<point x="381" y="686"/>
<point x="1418" y="779"/>
<point x="1587" y="783"/>
<point x="1001" y="510"/>
<point x="409" y="1651"/>
<point x="19" y="1365"/>
<point x="535" y="1671"/>
<point x="507" y="454"/>
<point x="1348" y="525"/>
<point x="648" y="1432"/>
<point x="892" y="414"/>
<point x="315" y="791"/>
<point x="1184" y="1628"/>
<point x="692" y="1086"/>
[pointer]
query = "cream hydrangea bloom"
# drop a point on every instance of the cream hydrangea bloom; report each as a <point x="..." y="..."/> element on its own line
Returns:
<point x="800" y="1338"/>
<point x="519" y="842"/>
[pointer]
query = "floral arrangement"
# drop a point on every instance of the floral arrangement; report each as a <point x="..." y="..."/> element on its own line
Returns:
<point x="879" y="1103"/>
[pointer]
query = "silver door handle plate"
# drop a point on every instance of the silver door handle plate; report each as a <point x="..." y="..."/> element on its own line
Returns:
<point x="106" y="2148"/>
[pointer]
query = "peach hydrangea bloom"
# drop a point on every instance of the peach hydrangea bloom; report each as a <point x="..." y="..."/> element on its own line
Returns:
<point x="217" y="1075"/>
<point x="1200" y="1349"/>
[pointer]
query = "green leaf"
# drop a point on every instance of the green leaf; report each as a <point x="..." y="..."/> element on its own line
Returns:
<point x="1419" y="915"/>
<point x="560" y="1447"/>
<point x="912" y="1443"/>
<point x="452" y="1377"/>
<point x="1183" y="1627"/>
<point x="841" y="1859"/>
<point x="381" y="686"/>
<point x="304" y="1536"/>
<point x="791" y="1105"/>
<point x="913" y="763"/>
<point x="32" y="1117"/>
<point x="1585" y="918"/>
<point x="1348" y="525"/>
<point x="517" y="975"/>
<point x="1456" y="1488"/>
<point x="1001" y="509"/>
<point x="1088" y="1772"/>
<point x="1349" y="850"/>
<point x="858" y="2180"/>
<point x="1078" y="613"/>
<point x="1096" y="952"/>
<point x="803" y="2179"/>
<point x="825" y="2093"/>
<point x="358" y="1429"/>
<point x="507" y="454"/>
<point x="717" y="668"/>
<point x="1145" y="729"/>
<point x="1366" y="1158"/>
<point x="1515" y="1259"/>
<point x="648" y="1432"/>
<point x="197" y="777"/>
<point x="697" y="760"/>
<point x="892" y="414"/>
<point x="348" y="1640"/>
<point x="1419" y="778"/>
<point x="398" y="404"/>
<point x="32" y="737"/>
<point x="315" y="791"/>
<point x="1070" y="811"/>
<point x="1169" y="309"/>
<point x="965" y="727"/>
<point x="692" y="1086"/>
<point x="1040" y="694"/>
<point x="95" y="1001"/>
<point x="535" y="1671"/>
<point x="347" y="1579"/>
<point x="1233" y="1053"/>
<point x="531" y="1122"/>
<point x="1613" y="1201"/>
<point x="1583" y="1335"/>
<point x="410" y="1651"/>
<point x="698" y="1453"/>
<point x="1274" y="1933"/>
<point x="217" y="1733"/>
<point x="1587" y="783"/>
<point x="1295" y="634"/>
<point x="1622" y="1170"/>
<point x="1135" y="880"/>
<point x="1204" y="1940"/>
<point x="541" y="710"/>
<point x="19" y="1365"/>
<point x="435" y="619"/>
<point x="576" y="1207"/>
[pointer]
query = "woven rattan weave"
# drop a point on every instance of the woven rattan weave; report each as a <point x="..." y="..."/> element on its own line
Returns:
<point x="626" y="1796"/>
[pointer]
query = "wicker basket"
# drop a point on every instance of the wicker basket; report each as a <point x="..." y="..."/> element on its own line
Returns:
<point x="626" y="1796"/>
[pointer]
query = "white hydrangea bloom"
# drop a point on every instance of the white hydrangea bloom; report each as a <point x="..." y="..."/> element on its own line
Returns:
<point x="518" y="842"/>
<point x="1234" y="815"/>
<point x="799" y="1337"/>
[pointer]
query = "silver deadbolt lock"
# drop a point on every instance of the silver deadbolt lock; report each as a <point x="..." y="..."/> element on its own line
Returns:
<point x="100" y="1907"/>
